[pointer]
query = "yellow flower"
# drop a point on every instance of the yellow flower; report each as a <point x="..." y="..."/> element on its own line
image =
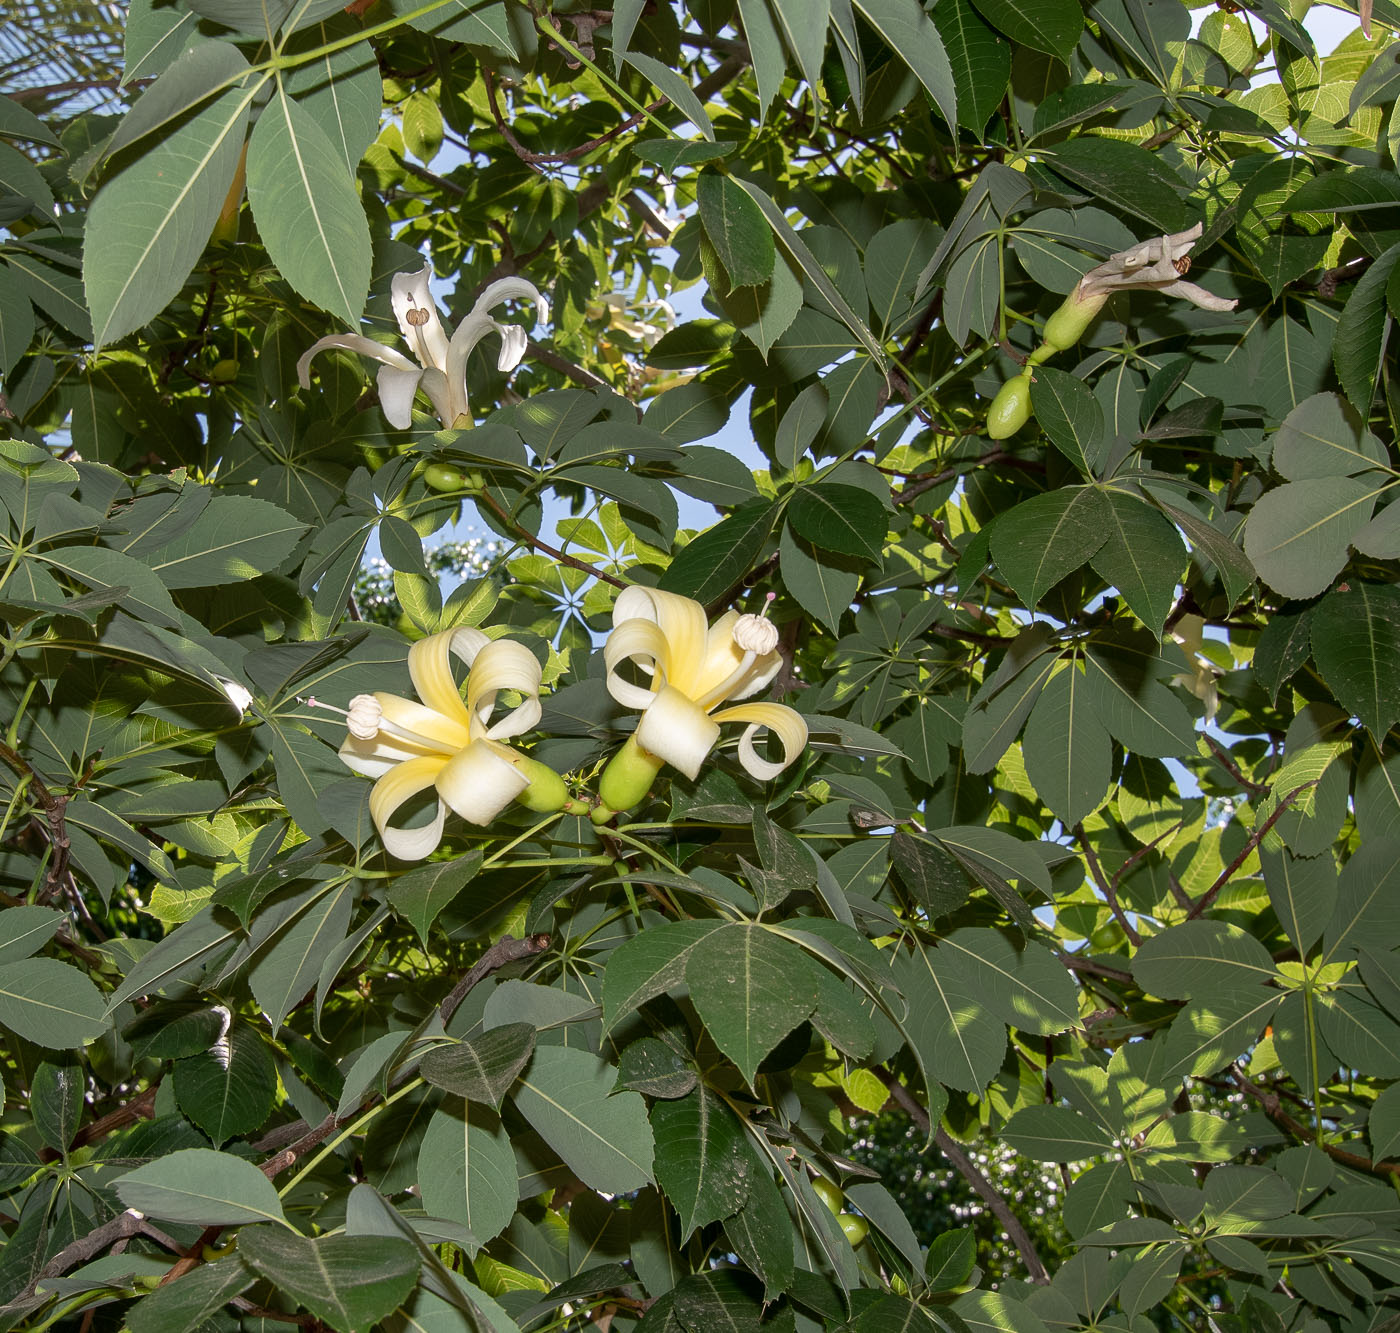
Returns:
<point x="445" y="743"/>
<point x="694" y="667"/>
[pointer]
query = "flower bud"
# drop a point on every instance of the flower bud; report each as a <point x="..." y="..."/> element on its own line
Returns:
<point x="1067" y="325"/>
<point x="546" y="792"/>
<point x="1011" y="408"/>
<point x="628" y="777"/>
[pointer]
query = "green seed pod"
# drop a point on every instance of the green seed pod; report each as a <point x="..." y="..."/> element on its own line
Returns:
<point x="546" y="791"/>
<point x="1011" y="408"/>
<point x="628" y="776"/>
<point x="442" y="477"/>
<point x="1066" y="326"/>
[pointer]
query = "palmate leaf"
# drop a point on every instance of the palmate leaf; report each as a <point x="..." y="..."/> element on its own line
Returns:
<point x="466" y="1170"/>
<point x="1356" y="645"/>
<point x="702" y="1161"/>
<point x="1041" y="540"/>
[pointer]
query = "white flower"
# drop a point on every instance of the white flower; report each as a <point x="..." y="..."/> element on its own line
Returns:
<point x="1154" y="265"/>
<point x="238" y="696"/>
<point x="441" y="371"/>
<point x="694" y="668"/>
<point x="444" y="742"/>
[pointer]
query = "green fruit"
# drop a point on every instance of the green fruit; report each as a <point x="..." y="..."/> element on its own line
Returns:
<point x="1066" y="326"/>
<point x="441" y="477"/>
<point x="628" y="777"/>
<point x="225" y="371"/>
<point x="830" y="1195"/>
<point x="855" y="1227"/>
<point x="1010" y="409"/>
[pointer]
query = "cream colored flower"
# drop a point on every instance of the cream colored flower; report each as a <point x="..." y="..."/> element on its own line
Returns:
<point x="441" y="371"/>
<point x="694" y="667"/>
<point x="443" y="742"/>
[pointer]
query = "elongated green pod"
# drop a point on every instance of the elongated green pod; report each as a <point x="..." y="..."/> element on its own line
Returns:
<point x="628" y="777"/>
<point x="1011" y="408"/>
<point x="546" y="792"/>
<point x="1067" y="325"/>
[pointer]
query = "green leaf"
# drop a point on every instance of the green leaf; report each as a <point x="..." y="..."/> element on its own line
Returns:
<point x="604" y="1139"/>
<point x="1356" y="645"/>
<point x="150" y="222"/>
<point x="844" y="519"/>
<point x="1214" y="1030"/>
<point x="1055" y="1134"/>
<point x="25" y="930"/>
<point x="1027" y="988"/>
<point x="804" y="24"/>
<point x="349" y="1282"/>
<point x="672" y="86"/>
<point x="236" y="538"/>
<point x="1070" y="415"/>
<point x="800" y="425"/>
<point x="141" y="592"/>
<point x="1303" y="893"/>
<point x="18" y="122"/>
<point x="420" y="895"/>
<point x="1043" y="539"/>
<point x="191" y="1301"/>
<point x="823" y="587"/>
<point x="466" y="1170"/>
<point x="956" y="1040"/>
<point x="751" y="989"/>
<point x="909" y="32"/>
<point x="229" y="1089"/>
<point x="737" y="229"/>
<point x="51" y="1004"/>
<point x="1359" y="343"/>
<point x="1297" y="535"/>
<point x="177" y="957"/>
<point x="761" y="1232"/>
<point x="702" y="1161"/>
<point x="1052" y="26"/>
<point x="1367" y="914"/>
<point x="1324" y="436"/>
<point x="1134" y="705"/>
<point x="482" y="1069"/>
<point x="720" y="558"/>
<point x="766" y="312"/>
<point x="649" y="964"/>
<point x="1143" y="558"/>
<point x="16" y="319"/>
<point x="980" y="61"/>
<point x="1201" y="957"/>
<point x="286" y="970"/>
<point x="1383" y="1125"/>
<point x="203" y="1187"/>
<point x="1231" y="564"/>
<point x="307" y="208"/>
<point x="341" y="90"/>
<point x="56" y="1103"/>
<point x="1069" y="756"/>
<point x="1122" y="174"/>
<point x="932" y="875"/>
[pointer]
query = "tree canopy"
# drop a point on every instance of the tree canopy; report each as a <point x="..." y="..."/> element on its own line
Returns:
<point x="592" y="597"/>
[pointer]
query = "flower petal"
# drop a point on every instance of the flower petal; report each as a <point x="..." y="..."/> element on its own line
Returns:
<point x="430" y="667"/>
<point x="374" y="758"/>
<point x="642" y="642"/>
<point x="504" y="665"/>
<point x="351" y="342"/>
<point x="396" y="389"/>
<point x="514" y="341"/>
<point x="683" y="626"/>
<point x="786" y="723"/>
<point x="417" y="314"/>
<point x="677" y="730"/>
<point x="1188" y="291"/>
<point x="401" y="784"/>
<point x="433" y="732"/>
<point x="478" y="783"/>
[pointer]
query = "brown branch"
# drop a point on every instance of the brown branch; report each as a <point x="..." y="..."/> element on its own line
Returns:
<point x="969" y="1171"/>
<point x="541" y="545"/>
<point x="1222" y="757"/>
<point x="1109" y="890"/>
<point x="1253" y="841"/>
<point x="565" y="367"/>
<point x="1271" y="1104"/>
<point x="1332" y="277"/>
<point x="916" y="488"/>
<point x="1076" y="963"/>
<point x="54" y="807"/>
<point x="507" y="949"/>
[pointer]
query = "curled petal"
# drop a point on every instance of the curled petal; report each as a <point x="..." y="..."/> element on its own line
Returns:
<point x="351" y="342"/>
<point x="685" y="630"/>
<point x="1189" y="291"/>
<point x="396" y="389"/>
<point x="373" y="758"/>
<point x="642" y="642"/>
<point x="503" y="665"/>
<point x="479" y="782"/>
<point x="786" y="723"/>
<point x="514" y="341"/>
<point x="403" y="782"/>
<point x="433" y="732"/>
<point x="447" y="405"/>
<point x="677" y="730"/>
<point x="430" y="668"/>
<point x="417" y="314"/>
<point x="510" y="289"/>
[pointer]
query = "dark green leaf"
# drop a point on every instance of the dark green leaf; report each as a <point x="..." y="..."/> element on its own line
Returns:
<point x="1043" y="539"/>
<point x="483" y="1068"/>
<point x="720" y="558"/>
<point x="1122" y="174"/>
<point x="844" y="519"/>
<point x="702" y="1161"/>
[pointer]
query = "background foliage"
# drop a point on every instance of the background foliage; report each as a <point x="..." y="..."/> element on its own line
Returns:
<point x="1088" y="879"/>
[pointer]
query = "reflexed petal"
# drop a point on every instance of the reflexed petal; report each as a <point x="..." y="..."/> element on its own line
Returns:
<point x="439" y="391"/>
<point x="478" y="783"/>
<point x="503" y="665"/>
<point x="436" y="733"/>
<point x="1188" y="291"/>
<point x="410" y="297"/>
<point x="642" y="642"/>
<point x="683" y="625"/>
<point x="396" y="389"/>
<point x="514" y="341"/>
<point x="510" y="289"/>
<point x="374" y="758"/>
<point x="401" y="784"/>
<point x="351" y="342"/>
<point x="430" y="668"/>
<point x="678" y="731"/>
<point x="786" y="723"/>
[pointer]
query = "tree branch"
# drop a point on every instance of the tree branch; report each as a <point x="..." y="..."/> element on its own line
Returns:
<point x="1109" y="890"/>
<point x="507" y="949"/>
<point x="1253" y="841"/>
<point x="969" y="1171"/>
